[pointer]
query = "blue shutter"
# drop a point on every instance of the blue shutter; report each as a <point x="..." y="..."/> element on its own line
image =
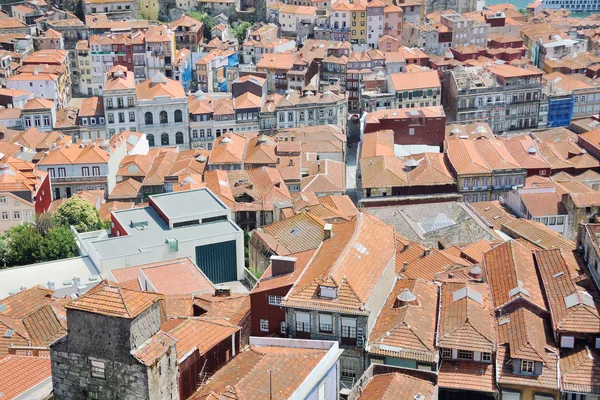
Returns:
<point x="218" y="261"/>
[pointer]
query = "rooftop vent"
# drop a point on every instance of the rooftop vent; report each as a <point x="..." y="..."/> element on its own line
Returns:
<point x="480" y="129"/>
<point x="201" y="158"/>
<point x="226" y="140"/>
<point x="532" y="150"/>
<point x="475" y="272"/>
<point x="467" y="292"/>
<point x="456" y="131"/>
<point x="411" y="164"/>
<point x="139" y="225"/>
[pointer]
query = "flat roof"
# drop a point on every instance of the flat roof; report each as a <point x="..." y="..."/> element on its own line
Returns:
<point x="188" y="203"/>
<point x="154" y="234"/>
<point x="61" y="272"/>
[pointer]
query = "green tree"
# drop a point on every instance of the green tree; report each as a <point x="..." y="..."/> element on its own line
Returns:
<point x="208" y="21"/>
<point x="58" y="243"/>
<point x="241" y="30"/>
<point x="79" y="213"/>
<point x="23" y="243"/>
<point x="44" y="222"/>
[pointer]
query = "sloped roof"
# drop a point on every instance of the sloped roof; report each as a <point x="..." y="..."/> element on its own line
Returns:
<point x="397" y="385"/>
<point x="580" y="371"/>
<point x="466" y="318"/>
<point x="512" y="275"/>
<point x="159" y="86"/>
<point x="407" y="330"/>
<point x="537" y="233"/>
<point x="20" y="374"/>
<point x="110" y="299"/>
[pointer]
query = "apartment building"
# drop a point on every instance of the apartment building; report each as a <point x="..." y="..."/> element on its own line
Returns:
<point x="584" y="91"/>
<point x="91" y="118"/>
<point x="308" y="109"/>
<point x="40" y="113"/>
<point x="375" y="23"/>
<point x="162" y="112"/>
<point x="505" y="97"/>
<point x="347" y="299"/>
<point x="120" y="101"/>
<point x="160" y="50"/>
<point x="188" y="33"/>
<point x="417" y="89"/>
<point x="114" y="10"/>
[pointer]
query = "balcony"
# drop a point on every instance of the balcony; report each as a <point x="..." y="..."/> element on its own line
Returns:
<point x="77" y="179"/>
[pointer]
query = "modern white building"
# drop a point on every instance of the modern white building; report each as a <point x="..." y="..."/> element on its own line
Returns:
<point x="162" y="112"/>
<point x="171" y="226"/>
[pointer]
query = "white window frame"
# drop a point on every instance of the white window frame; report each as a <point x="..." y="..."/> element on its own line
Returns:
<point x="527" y="366"/>
<point x="264" y="325"/>
<point x="274" y="300"/>
<point x="98" y="369"/>
<point x="3" y="200"/>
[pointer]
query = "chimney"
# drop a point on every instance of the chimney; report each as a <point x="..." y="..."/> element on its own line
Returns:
<point x="427" y="251"/>
<point x="282" y="265"/>
<point x="327" y="231"/>
<point x="405" y="247"/>
<point x="475" y="273"/>
<point x="404" y="266"/>
<point x="223" y="292"/>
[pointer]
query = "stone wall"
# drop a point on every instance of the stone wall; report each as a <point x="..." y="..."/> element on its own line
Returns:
<point x="144" y="326"/>
<point x="72" y="378"/>
<point x="162" y="377"/>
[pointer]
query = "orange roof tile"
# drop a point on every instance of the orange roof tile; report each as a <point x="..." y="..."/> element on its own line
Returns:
<point x="108" y="298"/>
<point x="20" y="374"/>
<point x="572" y="308"/>
<point x="415" y="80"/>
<point x="229" y="148"/>
<point x="397" y="385"/>
<point x="407" y="329"/>
<point x="493" y="213"/>
<point x="235" y="308"/>
<point x="159" y="86"/>
<point x="537" y="233"/>
<point x="466" y="318"/>
<point x="467" y="375"/>
<point x="153" y="349"/>
<point x="580" y="371"/>
<point x="178" y="276"/>
<point x="198" y="334"/>
<point x="512" y="275"/>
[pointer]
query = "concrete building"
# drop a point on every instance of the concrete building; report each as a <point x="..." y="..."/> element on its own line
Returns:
<point x="505" y="97"/>
<point x="114" y="10"/>
<point x="128" y="357"/>
<point x="162" y="112"/>
<point x="40" y="113"/>
<point x="120" y="101"/>
<point x="375" y="23"/>
<point x="417" y="89"/>
<point x="172" y="227"/>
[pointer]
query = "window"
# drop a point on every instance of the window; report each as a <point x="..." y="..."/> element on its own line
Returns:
<point x="121" y="117"/>
<point x="264" y="325"/>
<point x="148" y="119"/>
<point x="347" y="368"/>
<point x="567" y="342"/>
<point x="109" y="103"/>
<point x="97" y="369"/>
<point x="274" y="300"/>
<point x="465" y="184"/>
<point x="3" y="200"/>
<point x="486" y="357"/>
<point x="465" y="355"/>
<point x="4" y="215"/>
<point x="46" y="121"/>
<point x="130" y="101"/>
<point x="111" y="118"/>
<point x="51" y="172"/>
<point x="282" y="327"/>
<point x="560" y="220"/>
<point x="16" y="215"/>
<point x="85" y="171"/>
<point x="302" y="322"/>
<point x="325" y="323"/>
<point x="527" y="366"/>
<point x="131" y="116"/>
<point x="179" y="138"/>
<point x="150" y="138"/>
<point x="164" y="139"/>
<point x="163" y="117"/>
<point x="178" y="116"/>
<point x="446" y="353"/>
<point x="62" y="172"/>
<point x="96" y="171"/>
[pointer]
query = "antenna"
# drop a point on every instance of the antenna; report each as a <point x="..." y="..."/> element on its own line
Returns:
<point x="270" y="385"/>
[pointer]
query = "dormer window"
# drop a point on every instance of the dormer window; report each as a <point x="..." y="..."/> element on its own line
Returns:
<point x="328" y="292"/>
<point x="527" y="367"/>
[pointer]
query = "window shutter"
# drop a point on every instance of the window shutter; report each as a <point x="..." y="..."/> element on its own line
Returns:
<point x="538" y="368"/>
<point x="516" y="366"/>
<point x="477" y="356"/>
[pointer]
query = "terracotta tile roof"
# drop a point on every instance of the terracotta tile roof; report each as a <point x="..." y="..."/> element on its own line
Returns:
<point x="397" y="386"/>
<point x="158" y="34"/>
<point x="109" y="299"/>
<point x="91" y="106"/>
<point x="233" y="308"/>
<point x="415" y="80"/>
<point x="127" y="189"/>
<point x="26" y="301"/>
<point x="107" y="208"/>
<point x="580" y="371"/>
<point x="270" y="61"/>
<point x="591" y="199"/>
<point x="229" y="148"/>
<point x="118" y="78"/>
<point x="505" y="375"/>
<point x="296" y="234"/>
<point x="543" y="203"/>
<point x="38" y="104"/>
<point x="467" y="375"/>
<point x="427" y="266"/>
<point x="324" y="176"/>
<point x="261" y="150"/>
<point x="465" y="158"/>
<point x="19" y="374"/>
<point x="526" y="153"/>
<point x="269" y="282"/>
<point x="83" y="153"/>
<point x="179" y="305"/>
<point x="247" y="375"/>
<point x="198" y="334"/>
<point x="316" y="139"/>
<point x="495" y="154"/>
<point x="572" y="308"/>
<point x="512" y="275"/>
<point x="153" y="349"/>
<point x="466" y="318"/>
<point x="337" y="263"/>
<point x="159" y="86"/>
<point x="474" y="251"/>
<point x="537" y="233"/>
<point x="407" y="330"/>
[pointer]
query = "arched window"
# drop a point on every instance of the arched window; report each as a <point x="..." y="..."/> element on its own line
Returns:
<point x="164" y="139"/>
<point x="178" y="116"/>
<point x="150" y="140"/>
<point x="178" y="137"/>
<point x="164" y="119"/>
<point x="149" y="118"/>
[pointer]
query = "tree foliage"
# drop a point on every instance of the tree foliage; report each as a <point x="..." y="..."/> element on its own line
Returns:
<point x="79" y="213"/>
<point x="208" y="21"/>
<point x="241" y="30"/>
<point x="58" y="243"/>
